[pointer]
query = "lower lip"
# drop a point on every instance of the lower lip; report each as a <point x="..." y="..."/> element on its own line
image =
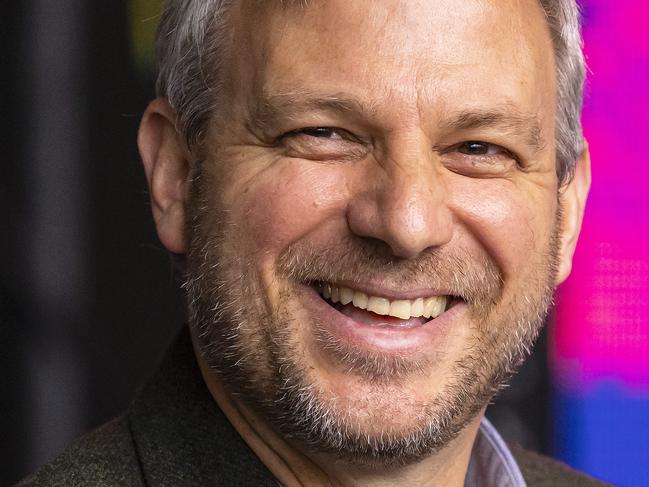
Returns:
<point x="386" y="339"/>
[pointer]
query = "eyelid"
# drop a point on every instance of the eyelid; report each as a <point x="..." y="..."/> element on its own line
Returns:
<point x="480" y="142"/>
<point x="504" y="150"/>
<point x="305" y="130"/>
<point x="343" y="134"/>
<point x="345" y="146"/>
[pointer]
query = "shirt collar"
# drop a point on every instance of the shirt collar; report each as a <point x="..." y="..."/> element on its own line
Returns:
<point x="492" y="464"/>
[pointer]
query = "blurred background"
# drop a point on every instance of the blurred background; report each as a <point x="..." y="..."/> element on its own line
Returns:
<point x="89" y="302"/>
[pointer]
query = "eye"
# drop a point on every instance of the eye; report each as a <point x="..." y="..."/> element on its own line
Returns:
<point x="476" y="148"/>
<point x="322" y="143"/>
<point x="475" y="158"/>
<point x="320" y="132"/>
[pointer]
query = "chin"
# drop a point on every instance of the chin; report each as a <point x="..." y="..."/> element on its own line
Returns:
<point x="383" y="408"/>
<point x="387" y="424"/>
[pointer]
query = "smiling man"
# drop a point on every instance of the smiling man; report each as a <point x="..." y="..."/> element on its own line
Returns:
<point x="372" y="203"/>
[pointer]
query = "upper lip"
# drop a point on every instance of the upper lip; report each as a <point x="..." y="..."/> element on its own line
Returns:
<point x="390" y="293"/>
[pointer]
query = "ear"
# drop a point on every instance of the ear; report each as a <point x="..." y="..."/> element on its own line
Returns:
<point x="573" y="199"/>
<point x="165" y="159"/>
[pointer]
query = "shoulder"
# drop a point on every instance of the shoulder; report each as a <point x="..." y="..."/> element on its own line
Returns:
<point x="541" y="471"/>
<point x="103" y="457"/>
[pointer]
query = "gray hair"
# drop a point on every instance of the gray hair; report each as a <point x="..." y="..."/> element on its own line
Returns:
<point x="191" y="49"/>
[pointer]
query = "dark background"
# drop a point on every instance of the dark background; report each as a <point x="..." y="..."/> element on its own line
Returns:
<point x="88" y="298"/>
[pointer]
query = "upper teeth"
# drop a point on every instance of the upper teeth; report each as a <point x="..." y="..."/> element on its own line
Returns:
<point x="430" y="307"/>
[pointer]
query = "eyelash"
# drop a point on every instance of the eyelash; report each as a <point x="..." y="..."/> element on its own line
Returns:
<point x="499" y="149"/>
<point x="342" y="134"/>
<point x="318" y="131"/>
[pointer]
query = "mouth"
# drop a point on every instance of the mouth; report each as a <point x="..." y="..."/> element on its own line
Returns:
<point x="381" y="311"/>
<point x="403" y="324"/>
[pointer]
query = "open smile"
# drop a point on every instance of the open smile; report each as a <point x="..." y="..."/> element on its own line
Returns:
<point x="383" y="323"/>
<point x="425" y="308"/>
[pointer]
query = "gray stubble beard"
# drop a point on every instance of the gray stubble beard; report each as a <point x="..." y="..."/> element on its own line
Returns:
<point x="220" y="302"/>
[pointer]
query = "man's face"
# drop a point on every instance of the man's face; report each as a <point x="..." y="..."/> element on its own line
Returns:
<point x="396" y="153"/>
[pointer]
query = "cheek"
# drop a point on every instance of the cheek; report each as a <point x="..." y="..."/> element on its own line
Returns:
<point x="287" y="203"/>
<point x="510" y="223"/>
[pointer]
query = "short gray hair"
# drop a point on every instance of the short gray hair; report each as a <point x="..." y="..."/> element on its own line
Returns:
<point x="191" y="49"/>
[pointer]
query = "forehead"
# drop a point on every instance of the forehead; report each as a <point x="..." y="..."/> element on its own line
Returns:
<point x="433" y="53"/>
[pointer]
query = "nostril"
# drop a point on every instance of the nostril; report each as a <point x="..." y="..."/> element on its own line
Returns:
<point x="380" y="248"/>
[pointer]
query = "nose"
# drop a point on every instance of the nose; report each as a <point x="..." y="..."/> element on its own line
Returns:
<point x="404" y="203"/>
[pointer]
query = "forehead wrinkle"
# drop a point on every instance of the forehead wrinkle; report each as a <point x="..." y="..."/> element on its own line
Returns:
<point x="506" y="119"/>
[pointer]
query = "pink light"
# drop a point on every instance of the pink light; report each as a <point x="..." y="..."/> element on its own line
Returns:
<point x="602" y="316"/>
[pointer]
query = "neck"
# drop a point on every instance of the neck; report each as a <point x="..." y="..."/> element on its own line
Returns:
<point x="292" y="467"/>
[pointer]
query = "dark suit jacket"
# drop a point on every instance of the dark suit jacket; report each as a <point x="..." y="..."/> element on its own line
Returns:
<point x="174" y="435"/>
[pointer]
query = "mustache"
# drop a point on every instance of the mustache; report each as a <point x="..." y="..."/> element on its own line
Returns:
<point x="475" y="279"/>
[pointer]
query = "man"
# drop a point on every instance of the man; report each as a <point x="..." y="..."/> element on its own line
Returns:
<point x="372" y="203"/>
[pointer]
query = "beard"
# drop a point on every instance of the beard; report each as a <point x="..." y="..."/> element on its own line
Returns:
<point x="258" y="345"/>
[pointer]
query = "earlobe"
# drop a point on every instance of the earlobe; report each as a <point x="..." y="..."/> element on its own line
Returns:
<point x="573" y="200"/>
<point x="165" y="160"/>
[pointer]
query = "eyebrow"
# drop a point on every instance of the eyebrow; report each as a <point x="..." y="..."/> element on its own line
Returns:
<point x="288" y="105"/>
<point x="506" y="119"/>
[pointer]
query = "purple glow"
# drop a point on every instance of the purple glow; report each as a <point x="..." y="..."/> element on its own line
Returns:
<point x="602" y="318"/>
<point x="600" y="341"/>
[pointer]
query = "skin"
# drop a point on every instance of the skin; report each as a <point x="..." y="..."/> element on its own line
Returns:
<point x="395" y="171"/>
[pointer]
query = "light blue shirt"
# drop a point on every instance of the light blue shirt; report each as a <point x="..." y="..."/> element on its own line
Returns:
<point x="492" y="464"/>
